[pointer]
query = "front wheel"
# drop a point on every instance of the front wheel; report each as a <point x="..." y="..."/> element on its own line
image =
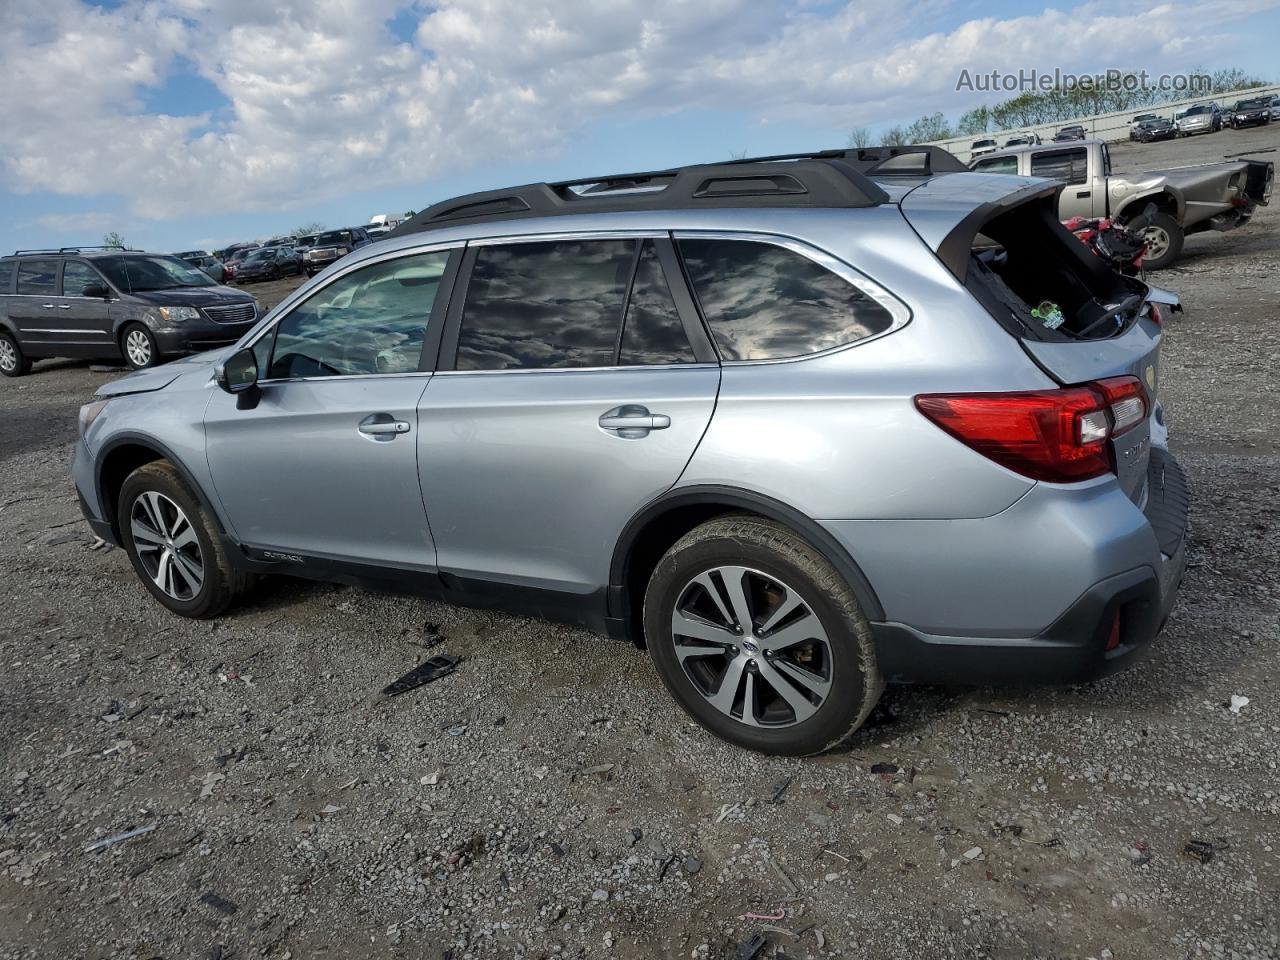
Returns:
<point x="139" y="347"/>
<point x="760" y="639"/>
<point x="1164" y="241"/>
<point x="173" y="544"/>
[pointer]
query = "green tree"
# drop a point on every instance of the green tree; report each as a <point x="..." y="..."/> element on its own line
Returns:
<point x="928" y="128"/>
<point x="112" y="239"/>
<point x="895" y="136"/>
<point x="974" y="121"/>
<point x="315" y="226"/>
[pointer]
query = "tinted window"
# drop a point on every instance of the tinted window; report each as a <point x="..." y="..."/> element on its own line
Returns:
<point x="38" y="277"/>
<point x="997" y="165"/>
<point x="1070" y="166"/>
<point x="76" y="276"/>
<point x="764" y="302"/>
<point x="137" y="274"/>
<point x="6" y="275"/>
<point x="371" y="321"/>
<point x="652" y="332"/>
<point x="334" y="236"/>
<point x="556" y="304"/>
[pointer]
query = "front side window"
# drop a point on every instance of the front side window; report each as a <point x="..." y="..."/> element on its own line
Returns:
<point x="78" y="277"/>
<point x="370" y="321"/>
<point x="997" y="165"/>
<point x="545" y="305"/>
<point x="765" y="302"/>
<point x="38" y="277"/>
<point x="1069" y="166"/>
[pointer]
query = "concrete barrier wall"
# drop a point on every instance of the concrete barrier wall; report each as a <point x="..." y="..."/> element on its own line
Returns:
<point x="1104" y="126"/>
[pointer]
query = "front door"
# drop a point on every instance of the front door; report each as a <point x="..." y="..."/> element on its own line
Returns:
<point x="577" y="393"/>
<point x="1071" y="166"/>
<point x="325" y="465"/>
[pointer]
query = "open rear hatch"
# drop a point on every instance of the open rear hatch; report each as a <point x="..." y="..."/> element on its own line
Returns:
<point x="1078" y="319"/>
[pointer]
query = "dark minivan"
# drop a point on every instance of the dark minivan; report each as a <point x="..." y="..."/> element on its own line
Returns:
<point x="112" y="303"/>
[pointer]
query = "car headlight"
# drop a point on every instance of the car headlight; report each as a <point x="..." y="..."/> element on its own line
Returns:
<point x="178" y="314"/>
<point x="89" y="413"/>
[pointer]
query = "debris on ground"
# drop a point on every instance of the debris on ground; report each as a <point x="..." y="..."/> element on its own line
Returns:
<point x="750" y="948"/>
<point x="433" y="668"/>
<point x="119" y="838"/>
<point x="1238" y="703"/>
<point x="692" y="865"/>
<point x="219" y="903"/>
<point x="780" y="915"/>
<point x="884" y="768"/>
<point x="210" y="781"/>
<point x="1203" y="850"/>
<point x="779" y="789"/>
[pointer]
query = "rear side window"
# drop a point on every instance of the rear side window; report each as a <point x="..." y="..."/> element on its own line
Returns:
<point x="6" y="276"/>
<point x="370" y="321"/>
<point x="1069" y="166"/>
<point x="38" y="277"/>
<point x="76" y="276"/>
<point x="765" y="302"/>
<point x="545" y="305"/>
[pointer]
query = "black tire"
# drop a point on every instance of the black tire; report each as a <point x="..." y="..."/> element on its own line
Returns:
<point x="13" y="362"/>
<point x="1169" y="226"/>
<point x="222" y="583"/>
<point x="139" y="359"/>
<point x="774" y="552"/>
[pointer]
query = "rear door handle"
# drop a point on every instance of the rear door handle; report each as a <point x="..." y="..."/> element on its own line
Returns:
<point x="382" y="426"/>
<point x="633" y="421"/>
<point x="64" y="306"/>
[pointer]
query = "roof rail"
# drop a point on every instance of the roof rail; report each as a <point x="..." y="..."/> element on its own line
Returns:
<point x="80" y="249"/>
<point x="808" y="180"/>
<point x="909" y="160"/>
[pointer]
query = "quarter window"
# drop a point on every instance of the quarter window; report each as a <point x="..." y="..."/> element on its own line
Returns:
<point x="1069" y="166"/>
<point x="6" y="275"/>
<point x="38" y="277"/>
<point x="652" y="332"/>
<point x="545" y="305"/>
<point x="76" y="276"/>
<point x="370" y="321"/>
<point x="765" y="302"/>
<point x="997" y="165"/>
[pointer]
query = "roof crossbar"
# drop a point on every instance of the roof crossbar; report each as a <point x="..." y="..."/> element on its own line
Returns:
<point x="811" y="180"/>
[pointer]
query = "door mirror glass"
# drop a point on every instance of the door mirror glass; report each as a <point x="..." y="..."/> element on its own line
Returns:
<point x="95" y="290"/>
<point x="239" y="373"/>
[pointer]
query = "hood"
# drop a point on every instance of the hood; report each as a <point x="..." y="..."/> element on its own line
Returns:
<point x="193" y="297"/>
<point x="157" y="378"/>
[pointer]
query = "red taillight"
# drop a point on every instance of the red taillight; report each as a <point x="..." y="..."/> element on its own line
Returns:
<point x="1060" y="436"/>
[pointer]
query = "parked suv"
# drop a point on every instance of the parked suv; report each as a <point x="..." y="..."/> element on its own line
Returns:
<point x="112" y="303"/>
<point x="1202" y="118"/>
<point x="333" y="245"/>
<point x="789" y="423"/>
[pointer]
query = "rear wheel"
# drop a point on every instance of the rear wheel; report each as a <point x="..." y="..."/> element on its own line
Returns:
<point x="760" y="639"/>
<point x="173" y="544"/>
<point x="13" y="363"/>
<point x="1164" y="240"/>
<point x="139" y="347"/>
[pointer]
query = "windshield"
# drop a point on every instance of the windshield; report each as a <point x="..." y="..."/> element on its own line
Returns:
<point x="983" y="143"/>
<point x="139" y="274"/>
<point x="334" y="236"/>
<point x="1196" y="110"/>
<point x="268" y="254"/>
<point x="1250" y="104"/>
<point x="307" y="240"/>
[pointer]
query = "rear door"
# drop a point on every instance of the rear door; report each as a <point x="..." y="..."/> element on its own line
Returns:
<point x="324" y="466"/>
<point x="575" y="383"/>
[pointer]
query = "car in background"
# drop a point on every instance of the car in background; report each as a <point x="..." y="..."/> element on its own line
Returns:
<point x="109" y="303"/>
<point x="203" y="260"/>
<point x="288" y="241"/>
<point x="304" y="243"/>
<point x="1202" y="118"/>
<point x="1157" y="128"/>
<point x="1275" y="108"/>
<point x="269" y="263"/>
<point x="1136" y="121"/>
<point x="1023" y="140"/>
<point x="333" y="245"/>
<point x="1069" y="133"/>
<point x="986" y="145"/>
<point x="376" y="231"/>
<point x="1254" y="112"/>
<point x="231" y="262"/>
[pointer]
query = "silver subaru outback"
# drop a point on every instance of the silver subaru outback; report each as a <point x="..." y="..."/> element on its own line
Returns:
<point x="801" y="426"/>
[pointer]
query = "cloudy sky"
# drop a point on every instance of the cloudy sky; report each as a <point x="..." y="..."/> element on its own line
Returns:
<point x="187" y="123"/>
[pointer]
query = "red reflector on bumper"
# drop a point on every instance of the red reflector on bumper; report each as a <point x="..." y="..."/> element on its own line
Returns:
<point x="1113" y="641"/>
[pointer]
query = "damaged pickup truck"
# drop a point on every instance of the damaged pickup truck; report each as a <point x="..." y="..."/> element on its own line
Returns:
<point x="1165" y="205"/>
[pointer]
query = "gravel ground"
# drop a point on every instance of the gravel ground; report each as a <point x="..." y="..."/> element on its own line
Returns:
<point x="549" y="800"/>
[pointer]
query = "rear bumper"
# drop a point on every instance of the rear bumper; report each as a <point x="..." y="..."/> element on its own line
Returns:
<point x="1108" y="624"/>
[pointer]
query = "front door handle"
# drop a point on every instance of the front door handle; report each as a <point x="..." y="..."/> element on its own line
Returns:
<point x="1082" y="194"/>
<point x="633" y="421"/>
<point x="48" y="306"/>
<point x="382" y="427"/>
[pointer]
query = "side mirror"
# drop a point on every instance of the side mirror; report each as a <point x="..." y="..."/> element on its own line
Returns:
<point x="239" y="374"/>
<point x="96" y="290"/>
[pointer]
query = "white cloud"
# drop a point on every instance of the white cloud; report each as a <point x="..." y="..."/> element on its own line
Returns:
<point x="325" y="100"/>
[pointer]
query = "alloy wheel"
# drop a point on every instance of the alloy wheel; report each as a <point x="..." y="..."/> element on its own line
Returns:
<point x="167" y="545"/>
<point x="752" y="647"/>
<point x="8" y="356"/>
<point x="138" y="346"/>
<point x="1157" y="242"/>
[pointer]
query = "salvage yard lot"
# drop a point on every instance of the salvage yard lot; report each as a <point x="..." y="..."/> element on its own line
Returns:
<point x="549" y="799"/>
